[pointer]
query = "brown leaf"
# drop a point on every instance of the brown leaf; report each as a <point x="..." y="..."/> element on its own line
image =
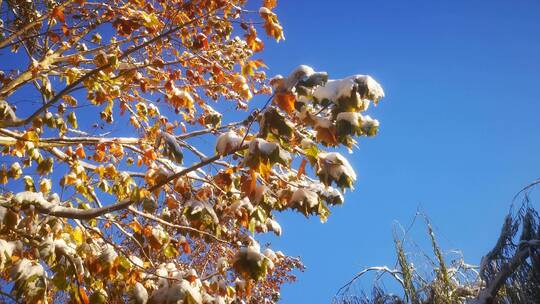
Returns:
<point x="327" y="136"/>
<point x="54" y="37"/>
<point x="58" y="14"/>
<point x="302" y="168"/>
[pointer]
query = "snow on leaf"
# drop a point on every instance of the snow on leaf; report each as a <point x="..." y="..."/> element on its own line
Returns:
<point x="228" y="142"/>
<point x="333" y="167"/>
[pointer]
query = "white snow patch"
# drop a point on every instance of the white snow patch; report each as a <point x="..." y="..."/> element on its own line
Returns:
<point x="198" y="206"/>
<point x="25" y="269"/>
<point x="368" y="122"/>
<point x="336" y="88"/>
<point x="108" y="254"/>
<point x="335" y="165"/>
<point x="139" y="294"/>
<point x="228" y="142"/>
<point x="264" y="146"/>
<point x="352" y="118"/>
<point x="6" y="251"/>
<point x="273" y="226"/>
<point x="304" y="196"/>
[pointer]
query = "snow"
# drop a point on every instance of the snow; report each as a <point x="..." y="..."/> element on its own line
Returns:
<point x="198" y="206"/>
<point x="6" y="251"/>
<point x="108" y="254"/>
<point x="79" y="266"/>
<point x="264" y="146"/>
<point x="15" y="167"/>
<point x="159" y="234"/>
<point x="300" y="73"/>
<point x="302" y="196"/>
<point x="60" y="245"/>
<point x="368" y="122"/>
<point x="180" y="97"/>
<point x="260" y="192"/>
<point x="269" y="253"/>
<point x="335" y="89"/>
<point x="237" y="206"/>
<point x="321" y="122"/>
<point x="46" y="247"/>
<point x="240" y="284"/>
<point x="277" y="82"/>
<point x="253" y="252"/>
<point x="168" y="168"/>
<point x="335" y="165"/>
<point x="374" y="90"/>
<point x="177" y="292"/>
<point x="31" y="198"/>
<point x="269" y="264"/>
<point x="352" y="118"/>
<point x="25" y="269"/>
<point x="228" y="142"/>
<point x="265" y="149"/>
<point x="274" y="226"/>
<point x="265" y="11"/>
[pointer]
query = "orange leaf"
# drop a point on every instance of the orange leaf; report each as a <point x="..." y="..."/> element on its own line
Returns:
<point x="80" y="151"/>
<point x="270" y="4"/>
<point x="249" y="182"/>
<point x="84" y="297"/>
<point x="302" y="168"/>
<point x="135" y="226"/>
<point x="58" y="14"/>
<point x="65" y="30"/>
<point x="285" y="101"/>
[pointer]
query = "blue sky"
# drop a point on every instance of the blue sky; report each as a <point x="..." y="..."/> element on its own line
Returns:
<point x="459" y="126"/>
<point x="459" y="129"/>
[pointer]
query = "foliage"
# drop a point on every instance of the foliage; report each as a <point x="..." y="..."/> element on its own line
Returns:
<point x="509" y="273"/>
<point x="96" y="205"/>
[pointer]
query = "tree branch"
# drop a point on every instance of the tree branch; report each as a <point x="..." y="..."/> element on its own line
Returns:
<point x="87" y="214"/>
<point x="56" y="98"/>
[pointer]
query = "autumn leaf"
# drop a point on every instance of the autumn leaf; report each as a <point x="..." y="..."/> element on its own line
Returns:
<point x="302" y="168"/>
<point x="58" y="14"/>
<point x="54" y="37"/>
<point x="285" y="101"/>
<point x="270" y="4"/>
<point x="84" y="296"/>
<point x="327" y="135"/>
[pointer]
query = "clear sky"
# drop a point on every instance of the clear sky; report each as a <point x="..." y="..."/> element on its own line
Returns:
<point x="460" y="126"/>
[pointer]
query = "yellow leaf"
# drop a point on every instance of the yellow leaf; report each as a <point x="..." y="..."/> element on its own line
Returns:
<point x="77" y="236"/>
<point x="264" y="169"/>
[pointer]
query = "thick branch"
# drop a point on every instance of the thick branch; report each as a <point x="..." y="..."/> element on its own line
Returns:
<point x="86" y="214"/>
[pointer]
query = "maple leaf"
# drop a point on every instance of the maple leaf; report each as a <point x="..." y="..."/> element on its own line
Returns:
<point x="285" y="100"/>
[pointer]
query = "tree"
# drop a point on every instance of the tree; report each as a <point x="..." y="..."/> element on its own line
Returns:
<point x="110" y="193"/>
<point x="508" y="273"/>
